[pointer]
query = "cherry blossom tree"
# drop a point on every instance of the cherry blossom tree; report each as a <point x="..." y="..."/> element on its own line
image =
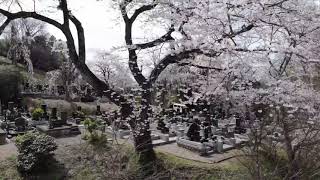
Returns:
<point x="232" y="37"/>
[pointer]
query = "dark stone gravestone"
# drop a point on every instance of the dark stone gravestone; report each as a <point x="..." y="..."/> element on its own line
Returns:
<point x="54" y="113"/>
<point x="239" y="126"/>
<point x="54" y="123"/>
<point x="39" y="88"/>
<point x="207" y="131"/>
<point x="10" y="106"/>
<point x="98" y="112"/>
<point x="45" y="113"/>
<point x="162" y="127"/>
<point x="19" y="105"/>
<point x="61" y="90"/>
<point x="229" y="133"/>
<point x="21" y="124"/>
<point x="193" y="132"/>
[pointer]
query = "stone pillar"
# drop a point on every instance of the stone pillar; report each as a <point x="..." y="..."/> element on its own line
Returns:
<point x="79" y="108"/>
<point x="45" y="114"/>
<point x="54" y="113"/>
<point x="219" y="146"/>
<point x="98" y="112"/>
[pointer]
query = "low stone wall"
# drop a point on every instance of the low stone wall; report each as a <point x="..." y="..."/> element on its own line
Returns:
<point x="193" y="146"/>
<point x="63" y="131"/>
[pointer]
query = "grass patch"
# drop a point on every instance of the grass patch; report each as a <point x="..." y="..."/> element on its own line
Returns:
<point x="197" y="170"/>
<point x="85" y="162"/>
<point x="8" y="171"/>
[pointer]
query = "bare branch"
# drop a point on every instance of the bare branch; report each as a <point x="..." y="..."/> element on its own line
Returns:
<point x="141" y="10"/>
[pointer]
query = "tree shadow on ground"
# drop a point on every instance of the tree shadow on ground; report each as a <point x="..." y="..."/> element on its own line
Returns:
<point x="54" y="170"/>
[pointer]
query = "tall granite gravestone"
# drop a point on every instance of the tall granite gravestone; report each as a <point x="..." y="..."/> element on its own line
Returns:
<point x="98" y="112"/>
<point x="19" y="104"/>
<point x="55" y="122"/>
<point x="207" y="130"/>
<point x="45" y="113"/>
<point x="11" y="114"/>
<point x="194" y="131"/>
<point x="239" y="127"/>
<point x="162" y="127"/>
<point x="54" y="113"/>
<point x="21" y="124"/>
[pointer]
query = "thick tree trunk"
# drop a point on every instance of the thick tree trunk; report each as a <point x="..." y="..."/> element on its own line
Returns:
<point x="143" y="146"/>
<point x="293" y="168"/>
<point x="142" y="138"/>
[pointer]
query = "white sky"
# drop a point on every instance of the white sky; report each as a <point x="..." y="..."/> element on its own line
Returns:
<point x="101" y="25"/>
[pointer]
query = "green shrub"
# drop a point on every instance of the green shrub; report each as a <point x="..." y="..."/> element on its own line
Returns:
<point x="35" y="151"/>
<point x="37" y="113"/>
<point x="94" y="138"/>
<point x="90" y="125"/>
<point x="80" y="114"/>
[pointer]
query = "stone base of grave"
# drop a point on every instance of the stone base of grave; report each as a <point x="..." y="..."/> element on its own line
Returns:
<point x="193" y="146"/>
<point x="3" y="136"/>
<point x="163" y="141"/>
<point x="38" y="123"/>
<point x="165" y="137"/>
<point x="63" y="131"/>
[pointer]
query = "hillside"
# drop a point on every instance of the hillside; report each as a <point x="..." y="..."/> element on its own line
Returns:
<point x="6" y="63"/>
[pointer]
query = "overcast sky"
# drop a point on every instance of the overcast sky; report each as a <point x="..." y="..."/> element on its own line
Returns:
<point x="101" y="24"/>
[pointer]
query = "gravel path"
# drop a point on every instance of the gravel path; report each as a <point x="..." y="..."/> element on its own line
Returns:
<point x="7" y="150"/>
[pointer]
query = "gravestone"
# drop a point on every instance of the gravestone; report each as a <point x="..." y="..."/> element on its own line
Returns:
<point x="98" y="112"/>
<point x="193" y="132"/>
<point x="239" y="127"/>
<point x="54" y="123"/>
<point x="19" y="104"/>
<point x="45" y="113"/>
<point x="10" y="106"/>
<point x="162" y="127"/>
<point x="54" y="113"/>
<point x="219" y="146"/>
<point x="21" y="124"/>
<point x="207" y="130"/>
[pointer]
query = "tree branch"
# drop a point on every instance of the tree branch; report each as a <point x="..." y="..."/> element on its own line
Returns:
<point x="199" y="66"/>
<point x="95" y="82"/>
<point x="176" y="58"/>
<point x="162" y="39"/>
<point x="81" y="38"/>
<point x="141" y="10"/>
